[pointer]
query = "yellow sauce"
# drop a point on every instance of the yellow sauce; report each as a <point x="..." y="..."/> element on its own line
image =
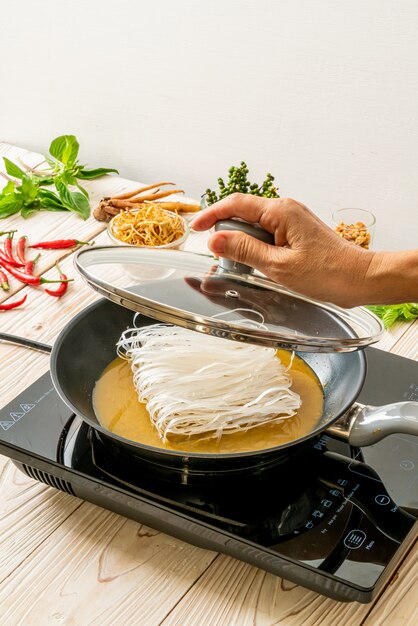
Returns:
<point x="117" y="408"/>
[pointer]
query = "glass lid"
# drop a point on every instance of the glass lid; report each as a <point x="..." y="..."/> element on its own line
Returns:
<point x="194" y="291"/>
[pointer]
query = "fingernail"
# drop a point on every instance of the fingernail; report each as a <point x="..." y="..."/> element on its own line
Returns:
<point x="217" y="244"/>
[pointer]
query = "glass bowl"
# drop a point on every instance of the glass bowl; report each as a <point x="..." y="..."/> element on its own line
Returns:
<point x="178" y="243"/>
<point x="355" y="225"/>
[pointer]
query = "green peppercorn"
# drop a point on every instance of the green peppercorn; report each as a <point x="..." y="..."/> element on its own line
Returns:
<point x="238" y="182"/>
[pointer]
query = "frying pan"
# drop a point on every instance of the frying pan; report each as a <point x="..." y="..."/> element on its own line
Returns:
<point x="87" y="345"/>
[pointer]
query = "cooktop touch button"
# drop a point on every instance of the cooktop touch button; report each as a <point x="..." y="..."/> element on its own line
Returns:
<point x="354" y="539"/>
<point x="382" y="500"/>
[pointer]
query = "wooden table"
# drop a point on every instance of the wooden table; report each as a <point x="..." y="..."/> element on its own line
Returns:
<point x="64" y="561"/>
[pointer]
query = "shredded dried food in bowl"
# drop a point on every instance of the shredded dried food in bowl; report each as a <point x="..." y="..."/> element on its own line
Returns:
<point x="149" y="225"/>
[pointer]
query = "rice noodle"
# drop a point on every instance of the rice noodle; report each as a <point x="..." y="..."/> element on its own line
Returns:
<point x="199" y="385"/>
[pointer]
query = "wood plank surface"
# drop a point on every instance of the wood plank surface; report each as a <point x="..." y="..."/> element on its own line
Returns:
<point x="394" y="335"/>
<point x="407" y="344"/>
<point x="399" y="604"/>
<point x="66" y="562"/>
<point x="238" y="593"/>
<point x="29" y="512"/>
<point x="100" y="568"/>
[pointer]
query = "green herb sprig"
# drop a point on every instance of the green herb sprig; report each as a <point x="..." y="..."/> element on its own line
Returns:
<point x="28" y="197"/>
<point x="27" y="194"/>
<point x="391" y="313"/>
<point x="238" y="182"/>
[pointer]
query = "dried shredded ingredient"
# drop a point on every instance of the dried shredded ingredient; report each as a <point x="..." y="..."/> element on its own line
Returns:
<point x="149" y="225"/>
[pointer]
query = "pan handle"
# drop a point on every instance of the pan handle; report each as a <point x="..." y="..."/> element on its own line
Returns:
<point x="26" y="343"/>
<point x="366" y="425"/>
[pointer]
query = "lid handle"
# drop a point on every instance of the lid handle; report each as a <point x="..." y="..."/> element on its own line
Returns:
<point x="254" y="230"/>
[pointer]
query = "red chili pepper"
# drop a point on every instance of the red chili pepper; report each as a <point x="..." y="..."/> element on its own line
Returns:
<point x="6" y="259"/>
<point x="28" y="279"/>
<point x="4" y="281"/>
<point x="20" y="249"/>
<point x="57" y="293"/>
<point x="8" y="246"/>
<point x="12" y="305"/>
<point x="60" y="244"/>
<point x="30" y="264"/>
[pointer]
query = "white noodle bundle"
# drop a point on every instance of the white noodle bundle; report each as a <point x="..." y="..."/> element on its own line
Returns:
<point x="199" y="385"/>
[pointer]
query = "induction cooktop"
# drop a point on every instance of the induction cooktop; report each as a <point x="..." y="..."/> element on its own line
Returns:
<point x="339" y="520"/>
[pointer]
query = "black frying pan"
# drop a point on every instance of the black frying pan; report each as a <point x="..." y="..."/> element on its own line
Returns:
<point x="87" y="345"/>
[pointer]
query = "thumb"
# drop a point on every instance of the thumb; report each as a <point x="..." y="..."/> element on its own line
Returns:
<point x="243" y="248"/>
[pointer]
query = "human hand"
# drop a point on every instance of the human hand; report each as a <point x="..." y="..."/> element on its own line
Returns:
<point x="308" y="257"/>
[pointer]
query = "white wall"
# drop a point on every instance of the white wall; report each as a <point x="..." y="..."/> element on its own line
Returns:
<point x="322" y="93"/>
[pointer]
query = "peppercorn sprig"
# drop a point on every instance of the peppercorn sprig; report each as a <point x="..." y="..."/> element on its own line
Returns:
<point x="238" y="183"/>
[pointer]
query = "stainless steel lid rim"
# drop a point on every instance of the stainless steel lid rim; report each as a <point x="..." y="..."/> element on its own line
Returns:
<point x="209" y="326"/>
<point x="202" y="265"/>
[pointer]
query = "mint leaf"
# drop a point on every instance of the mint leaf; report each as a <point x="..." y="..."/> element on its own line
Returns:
<point x="95" y="173"/>
<point x="408" y="311"/>
<point x="390" y="316"/>
<point x="391" y="313"/>
<point x="9" y="205"/>
<point x="27" y="211"/>
<point x="52" y="162"/>
<point x="45" y="180"/>
<point x="52" y="206"/>
<point x="29" y="188"/>
<point x="83" y="191"/>
<point x="9" y="188"/>
<point x="79" y="203"/>
<point x="69" y="178"/>
<point x="12" y="169"/>
<point x="65" y="149"/>
<point x="73" y="200"/>
<point x="50" y="200"/>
